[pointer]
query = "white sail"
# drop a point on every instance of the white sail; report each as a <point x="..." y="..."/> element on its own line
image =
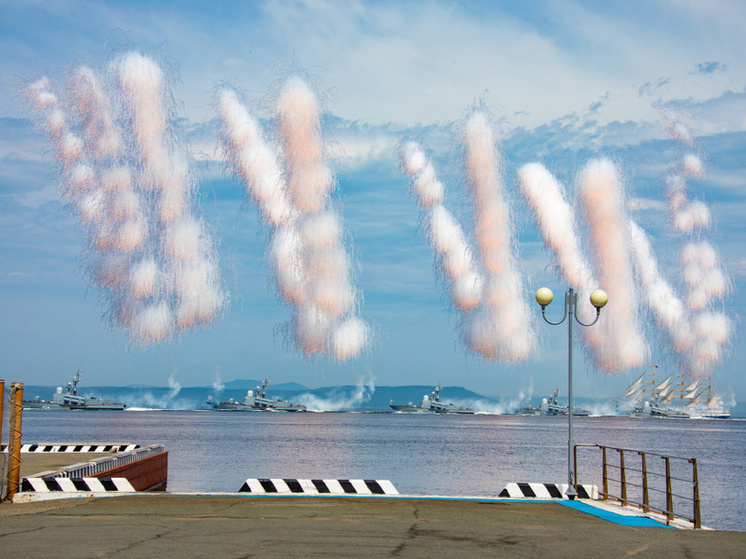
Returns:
<point x="634" y="388"/>
<point x="662" y="386"/>
<point x="666" y="392"/>
<point x="714" y="402"/>
<point x="666" y="399"/>
<point x="692" y="388"/>
<point x="696" y="401"/>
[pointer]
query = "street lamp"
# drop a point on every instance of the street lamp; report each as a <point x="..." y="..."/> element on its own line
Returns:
<point x="599" y="298"/>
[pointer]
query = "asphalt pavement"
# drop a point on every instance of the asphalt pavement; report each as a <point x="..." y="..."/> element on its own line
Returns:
<point x="169" y="525"/>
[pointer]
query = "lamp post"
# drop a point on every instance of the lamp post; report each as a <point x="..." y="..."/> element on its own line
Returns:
<point x="599" y="298"/>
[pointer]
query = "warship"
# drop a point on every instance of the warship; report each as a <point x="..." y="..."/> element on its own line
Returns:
<point x="549" y="406"/>
<point x="430" y="404"/>
<point x="256" y="401"/>
<point x="70" y="400"/>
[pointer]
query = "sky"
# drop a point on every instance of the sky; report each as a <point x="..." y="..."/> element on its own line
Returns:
<point x="562" y="83"/>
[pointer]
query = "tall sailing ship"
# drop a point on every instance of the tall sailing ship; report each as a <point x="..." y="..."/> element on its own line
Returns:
<point x="673" y="397"/>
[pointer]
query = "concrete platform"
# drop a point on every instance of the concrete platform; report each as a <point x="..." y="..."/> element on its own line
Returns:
<point x="168" y="525"/>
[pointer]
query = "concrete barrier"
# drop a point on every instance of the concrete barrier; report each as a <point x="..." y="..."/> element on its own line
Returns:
<point x="75" y="485"/>
<point x="320" y="486"/>
<point x="546" y="491"/>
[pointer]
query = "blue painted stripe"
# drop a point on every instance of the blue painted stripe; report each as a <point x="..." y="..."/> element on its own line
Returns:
<point x="613" y="517"/>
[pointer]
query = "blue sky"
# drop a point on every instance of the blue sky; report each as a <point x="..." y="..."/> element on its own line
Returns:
<point x="564" y="82"/>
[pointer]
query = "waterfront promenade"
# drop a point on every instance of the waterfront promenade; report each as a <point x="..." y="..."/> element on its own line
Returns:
<point x="167" y="525"/>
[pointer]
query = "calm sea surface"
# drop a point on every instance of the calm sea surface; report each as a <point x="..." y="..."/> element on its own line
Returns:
<point x="421" y="454"/>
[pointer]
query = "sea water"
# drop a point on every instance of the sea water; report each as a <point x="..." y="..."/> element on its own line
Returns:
<point x="465" y="455"/>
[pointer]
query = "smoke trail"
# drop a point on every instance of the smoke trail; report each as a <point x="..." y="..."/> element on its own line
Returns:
<point x="312" y="269"/>
<point x="661" y="298"/>
<point x="454" y="256"/>
<point x="502" y="328"/>
<point x="128" y="180"/>
<point x="617" y="342"/>
<point x="487" y="288"/>
<point x="701" y="271"/>
<point x="548" y="201"/>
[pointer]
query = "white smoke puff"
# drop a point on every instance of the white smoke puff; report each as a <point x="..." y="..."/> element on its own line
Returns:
<point x="692" y="165"/>
<point x="428" y="189"/>
<point x="184" y="239"/>
<point x="335" y="299"/>
<point x="125" y="204"/>
<point x="199" y="309"/>
<point x="110" y="271"/>
<point x="285" y="255"/>
<point x="616" y="341"/>
<point x="132" y="235"/>
<point x="82" y="178"/>
<point x="694" y="216"/>
<point x="445" y="233"/>
<point x="328" y="263"/>
<point x="321" y="230"/>
<point x="71" y="149"/>
<point x="312" y="329"/>
<point x="200" y="296"/>
<point x="350" y="338"/>
<point x="466" y="290"/>
<point x="43" y="98"/>
<point x="413" y="158"/>
<point x="144" y="278"/>
<point x="143" y="84"/>
<point x="95" y="108"/>
<point x="680" y="132"/>
<point x="92" y="206"/>
<point x="116" y="178"/>
<point x="548" y="200"/>
<point x="153" y="322"/>
<point x="299" y="120"/>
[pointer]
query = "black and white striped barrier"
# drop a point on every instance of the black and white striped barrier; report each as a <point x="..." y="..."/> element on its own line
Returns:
<point x="72" y="485"/>
<point x="52" y="448"/>
<point x="320" y="486"/>
<point x="546" y="491"/>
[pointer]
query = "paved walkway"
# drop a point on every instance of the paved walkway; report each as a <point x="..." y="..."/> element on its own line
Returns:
<point x="164" y="525"/>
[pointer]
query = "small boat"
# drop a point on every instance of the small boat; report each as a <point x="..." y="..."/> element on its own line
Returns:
<point x="430" y="404"/>
<point x="549" y="406"/>
<point x="70" y="400"/>
<point x="256" y="401"/>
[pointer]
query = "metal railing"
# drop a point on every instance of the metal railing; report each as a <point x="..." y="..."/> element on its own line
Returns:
<point x="98" y="465"/>
<point x="630" y="478"/>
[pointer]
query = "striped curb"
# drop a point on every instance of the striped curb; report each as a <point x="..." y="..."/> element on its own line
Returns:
<point x="72" y="485"/>
<point x="546" y="491"/>
<point x="320" y="486"/>
<point x="70" y="448"/>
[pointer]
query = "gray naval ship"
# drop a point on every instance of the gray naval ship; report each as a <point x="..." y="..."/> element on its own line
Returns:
<point x="70" y="400"/>
<point x="430" y="404"/>
<point x="256" y="401"/>
<point x="549" y="406"/>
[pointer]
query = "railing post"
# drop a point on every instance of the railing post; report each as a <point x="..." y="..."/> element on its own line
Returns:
<point x="669" y="490"/>
<point x="14" y="438"/>
<point x="695" y="482"/>
<point x="623" y="477"/>
<point x="645" y="498"/>
<point x="605" y="474"/>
